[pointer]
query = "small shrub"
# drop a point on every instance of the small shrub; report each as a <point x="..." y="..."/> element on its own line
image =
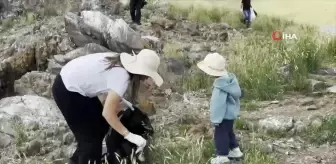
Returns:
<point x="267" y="24"/>
<point x="197" y="80"/>
<point x="241" y="124"/>
<point x="330" y="48"/>
<point x="48" y="12"/>
<point x="21" y="136"/>
<point x="249" y="105"/>
<point x="7" y="23"/>
<point x="325" y="133"/>
<point x="172" y="51"/>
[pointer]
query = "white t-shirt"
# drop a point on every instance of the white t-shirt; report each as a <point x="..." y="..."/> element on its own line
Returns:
<point x="87" y="76"/>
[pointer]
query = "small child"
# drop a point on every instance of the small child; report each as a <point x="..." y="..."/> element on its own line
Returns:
<point x="224" y="107"/>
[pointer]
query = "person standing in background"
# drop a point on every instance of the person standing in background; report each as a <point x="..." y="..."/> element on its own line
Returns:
<point x="135" y="10"/>
<point x="246" y="6"/>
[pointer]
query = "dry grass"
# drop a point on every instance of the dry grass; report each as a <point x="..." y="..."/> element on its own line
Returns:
<point x="311" y="13"/>
<point x="257" y="59"/>
<point x="184" y="148"/>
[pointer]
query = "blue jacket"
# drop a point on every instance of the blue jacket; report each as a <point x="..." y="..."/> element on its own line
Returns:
<point x="225" y="103"/>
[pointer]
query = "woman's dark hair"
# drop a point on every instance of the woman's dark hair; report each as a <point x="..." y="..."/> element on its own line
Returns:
<point x="114" y="61"/>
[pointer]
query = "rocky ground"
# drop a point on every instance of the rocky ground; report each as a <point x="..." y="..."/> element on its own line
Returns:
<point x="35" y="46"/>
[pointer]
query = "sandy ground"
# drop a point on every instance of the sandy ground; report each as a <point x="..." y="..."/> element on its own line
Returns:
<point x="317" y="12"/>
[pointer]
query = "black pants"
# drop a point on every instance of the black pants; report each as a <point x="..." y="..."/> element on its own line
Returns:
<point x="135" y="10"/>
<point x="84" y="117"/>
<point x="225" y="139"/>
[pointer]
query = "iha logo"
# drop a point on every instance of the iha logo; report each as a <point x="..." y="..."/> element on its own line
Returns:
<point x="277" y="35"/>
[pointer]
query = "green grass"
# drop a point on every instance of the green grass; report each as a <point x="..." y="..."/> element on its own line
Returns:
<point x="20" y="134"/>
<point x="27" y="18"/>
<point x="325" y="133"/>
<point x="279" y="8"/>
<point x="186" y="150"/>
<point x="256" y="59"/>
<point x="249" y="105"/>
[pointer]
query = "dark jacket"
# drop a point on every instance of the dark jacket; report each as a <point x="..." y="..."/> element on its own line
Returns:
<point x="246" y="4"/>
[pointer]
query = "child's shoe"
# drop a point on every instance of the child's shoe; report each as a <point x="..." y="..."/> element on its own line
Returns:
<point x="235" y="153"/>
<point x="220" y="160"/>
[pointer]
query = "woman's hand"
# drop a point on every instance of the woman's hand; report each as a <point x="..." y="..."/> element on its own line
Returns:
<point x="137" y="140"/>
<point x="111" y="110"/>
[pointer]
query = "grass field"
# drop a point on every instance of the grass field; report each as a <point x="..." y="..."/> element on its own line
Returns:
<point x="316" y="12"/>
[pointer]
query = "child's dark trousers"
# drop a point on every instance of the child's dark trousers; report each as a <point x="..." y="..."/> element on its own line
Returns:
<point x="225" y="139"/>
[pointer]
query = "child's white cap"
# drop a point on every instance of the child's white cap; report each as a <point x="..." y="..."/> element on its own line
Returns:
<point x="213" y="64"/>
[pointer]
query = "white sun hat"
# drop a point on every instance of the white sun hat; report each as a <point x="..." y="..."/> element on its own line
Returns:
<point x="146" y="62"/>
<point x="213" y="64"/>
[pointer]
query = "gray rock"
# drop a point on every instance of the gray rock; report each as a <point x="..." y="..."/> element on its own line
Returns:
<point x="68" y="151"/>
<point x="196" y="48"/>
<point x="318" y="85"/>
<point x="332" y="89"/>
<point x="5" y="140"/>
<point x="33" y="126"/>
<point x="312" y="107"/>
<point x="299" y="127"/>
<point x="80" y="39"/>
<point x="54" y="67"/>
<point x="316" y="122"/>
<point x="223" y="36"/>
<point x="277" y="124"/>
<point x="89" y="48"/>
<point x="327" y="71"/>
<point x="307" y="102"/>
<point x="66" y="45"/>
<point x="35" y="83"/>
<point x="213" y="48"/>
<point x="30" y="107"/>
<point x="275" y="102"/>
<point x="55" y="155"/>
<point x="7" y="126"/>
<point x="196" y="56"/>
<point x="33" y="147"/>
<point x="153" y="43"/>
<point x="116" y="34"/>
<point x="68" y="138"/>
<point x="285" y="70"/>
<point x="90" y="5"/>
<point x="9" y="9"/>
<point x="112" y="7"/>
<point x="25" y="51"/>
<point x="59" y="59"/>
<point x="176" y="66"/>
<point x="95" y="48"/>
<point x="266" y="148"/>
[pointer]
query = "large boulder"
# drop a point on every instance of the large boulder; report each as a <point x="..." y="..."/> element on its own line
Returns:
<point x="30" y="109"/>
<point x="28" y="48"/>
<point x="35" y="83"/>
<point x="80" y="39"/>
<point x="95" y="27"/>
<point x="33" y="126"/>
<point x="58" y="61"/>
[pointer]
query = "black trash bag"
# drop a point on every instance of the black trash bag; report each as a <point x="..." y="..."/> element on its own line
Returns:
<point x="119" y="149"/>
<point x="144" y="3"/>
